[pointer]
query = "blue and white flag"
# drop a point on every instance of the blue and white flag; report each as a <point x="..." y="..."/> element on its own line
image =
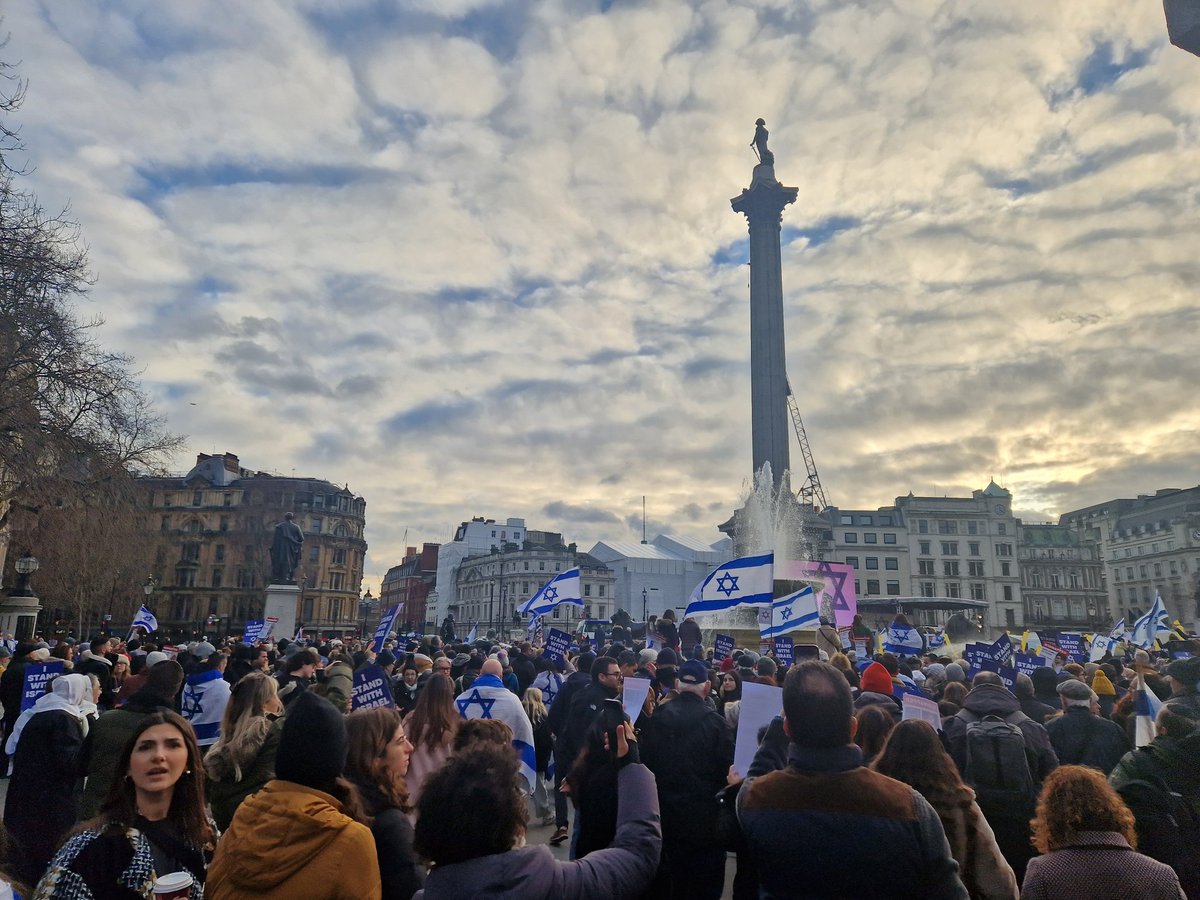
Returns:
<point x="472" y="633"/>
<point x="1101" y="646"/>
<point x="488" y="698"/>
<point x="902" y="640"/>
<point x="1146" y="706"/>
<point x="562" y="588"/>
<point x="144" y="619"/>
<point x="1118" y="632"/>
<point x="205" y="696"/>
<point x="792" y="613"/>
<point x="387" y="622"/>
<point x="1149" y="627"/>
<point x="938" y="639"/>
<point x="745" y="581"/>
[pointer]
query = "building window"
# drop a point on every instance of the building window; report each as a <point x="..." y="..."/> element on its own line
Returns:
<point x="872" y="586"/>
<point x="975" y="568"/>
<point x="872" y="562"/>
<point x="218" y="575"/>
<point x="219" y="552"/>
<point x="601" y="590"/>
<point x="925" y="545"/>
<point x="1004" y="550"/>
<point x="168" y="499"/>
<point x="185" y="577"/>
<point x="166" y="524"/>
<point x="922" y="526"/>
<point x="889" y="538"/>
<point x="191" y="552"/>
<point x="947" y="527"/>
<point x="885" y="520"/>
<point x="893" y="588"/>
<point x="852" y="562"/>
<point x="1142" y="571"/>
<point x="972" y="527"/>
<point x="314" y="554"/>
<point x="314" y="524"/>
<point x="541" y="565"/>
<point x="870" y="537"/>
<point x="976" y="591"/>
<point x="335" y="609"/>
<point x="339" y="557"/>
<point x="891" y="562"/>
<point x="973" y="548"/>
<point x="224" y="526"/>
<point x="197" y="498"/>
<point x="847" y="520"/>
<point x="925" y="566"/>
<point x="851" y="537"/>
<point x="949" y="548"/>
<point x="952" y="589"/>
<point x="1158" y="570"/>
<point x="1174" y="568"/>
<point x="228" y="499"/>
<point x="926" y="588"/>
<point x="337" y="581"/>
<point x="866" y="520"/>
<point x="1001" y="528"/>
<point x="587" y="590"/>
<point x="194" y="526"/>
<point x="950" y="567"/>
<point x="1055" y="580"/>
<point x="1008" y="595"/>
<point x="526" y="565"/>
<point x="1005" y="569"/>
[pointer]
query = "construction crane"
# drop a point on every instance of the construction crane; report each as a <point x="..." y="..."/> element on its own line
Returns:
<point x="810" y="492"/>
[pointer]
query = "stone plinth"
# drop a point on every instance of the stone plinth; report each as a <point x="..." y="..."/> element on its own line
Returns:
<point x="18" y="614"/>
<point x="281" y="604"/>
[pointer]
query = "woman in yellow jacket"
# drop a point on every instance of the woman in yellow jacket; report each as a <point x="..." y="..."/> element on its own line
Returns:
<point x="302" y="836"/>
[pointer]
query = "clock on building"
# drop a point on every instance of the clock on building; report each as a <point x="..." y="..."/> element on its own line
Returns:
<point x="1196" y="534"/>
<point x="1000" y="509"/>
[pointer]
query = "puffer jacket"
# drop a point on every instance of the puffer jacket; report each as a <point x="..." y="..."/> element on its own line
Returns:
<point x="292" y="842"/>
<point x="237" y="770"/>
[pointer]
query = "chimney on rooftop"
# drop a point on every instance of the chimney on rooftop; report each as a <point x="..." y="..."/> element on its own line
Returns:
<point x="231" y="462"/>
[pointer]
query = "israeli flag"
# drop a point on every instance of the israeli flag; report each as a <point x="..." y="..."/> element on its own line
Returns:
<point x="902" y="640"/>
<point x="471" y="634"/>
<point x="562" y="588"/>
<point x="1146" y="706"/>
<point x="938" y="640"/>
<point x="745" y="581"/>
<point x="488" y="698"/>
<point x="1100" y="646"/>
<point x="792" y="613"/>
<point x="1147" y="629"/>
<point x="144" y="619"/>
<point x="1118" y="632"/>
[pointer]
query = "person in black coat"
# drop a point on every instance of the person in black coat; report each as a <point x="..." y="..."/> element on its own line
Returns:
<point x="12" y="685"/>
<point x="42" y="801"/>
<point x="1082" y="738"/>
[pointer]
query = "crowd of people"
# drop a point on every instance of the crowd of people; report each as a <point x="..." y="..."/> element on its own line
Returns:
<point x="237" y="770"/>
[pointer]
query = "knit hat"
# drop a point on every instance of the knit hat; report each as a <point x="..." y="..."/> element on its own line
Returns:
<point x="385" y="658"/>
<point x="954" y="672"/>
<point x="313" y="745"/>
<point x="1186" y="670"/>
<point x="1102" y="686"/>
<point x="667" y="657"/>
<point x="41" y="654"/>
<point x="154" y="658"/>
<point x="203" y="650"/>
<point x="876" y="679"/>
<point x="648" y="655"/>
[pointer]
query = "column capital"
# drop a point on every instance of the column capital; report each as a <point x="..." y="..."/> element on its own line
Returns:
<point x="765" y="199"/>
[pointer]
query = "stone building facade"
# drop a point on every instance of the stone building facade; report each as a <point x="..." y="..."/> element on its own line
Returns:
<point x="410" y="584"/>
<point x="1062" y="578"/>
<point x="214" y="527"/>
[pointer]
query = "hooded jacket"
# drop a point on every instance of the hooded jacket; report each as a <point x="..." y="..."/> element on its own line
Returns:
<point x="997" y="700"/>
<point x="240" y="768"/>
<point x="293" y="842"/>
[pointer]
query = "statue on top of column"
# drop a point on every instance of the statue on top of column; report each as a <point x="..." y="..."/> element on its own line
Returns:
<point x="765" y="156"/>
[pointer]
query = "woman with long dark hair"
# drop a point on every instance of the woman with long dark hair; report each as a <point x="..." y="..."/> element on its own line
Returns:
<point x="874" y="725"/>
<point x="376" y="764"/>
<point x="243" y="758"/>
<point x="914" y="754"/>
<point x="152" y="824"/>
<point x="431" y="727"/>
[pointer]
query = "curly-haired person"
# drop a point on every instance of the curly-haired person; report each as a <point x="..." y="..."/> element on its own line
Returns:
<point x="1086" y="836"/>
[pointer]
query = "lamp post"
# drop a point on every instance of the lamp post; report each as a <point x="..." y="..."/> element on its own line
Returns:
<point x="19" y="609"/>
<point x="25" y="565"/>
<point x="491" y="601"/>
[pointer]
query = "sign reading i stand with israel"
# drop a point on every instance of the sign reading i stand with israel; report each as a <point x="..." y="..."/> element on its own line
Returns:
<point x="793" y="612"/>
<point x="386" y="622"/>
<point x="722" y="646"/>
<point x="371" y="689"/>
<point x="1028" y="662"/>
<point x="745" y="581"/>
<point x="36" y="676"/>
<point x="783" y="650"/>
<point x="254" y="629"/>
<point x="562" y="588"/>
<point x="557" y="643"/>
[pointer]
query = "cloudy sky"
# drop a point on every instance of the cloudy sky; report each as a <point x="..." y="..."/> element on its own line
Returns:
<point x="476" y="257"/>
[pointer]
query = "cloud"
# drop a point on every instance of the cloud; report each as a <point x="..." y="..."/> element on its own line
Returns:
<point x="478" y="257"/>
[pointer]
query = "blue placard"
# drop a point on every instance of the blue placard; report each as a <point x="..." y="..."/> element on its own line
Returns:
<point x="557" y="643"/>
<point x="1028" y="662"/>
<point x="1009" y="676"/>
<point x="36" y="676"/>
<point x="371" y="689"/>
<point x="783" y="650"/>
<point x="722" y="646"/>
<point x="385" y="625"/>
<point x="1071" y="643"/>
<point x="1002" y="650"/>
<point x="253" y="631"/>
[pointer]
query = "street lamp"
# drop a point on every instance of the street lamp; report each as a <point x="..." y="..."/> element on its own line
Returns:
<point x="25" y="565"/>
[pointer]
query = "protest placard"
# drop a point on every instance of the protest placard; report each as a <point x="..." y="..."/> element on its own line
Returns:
<point x="722" y="647"/>
<point x="760" y="704"/>
<point x="1029" y="662"/>
<point x="557" y="643"/>
<point x="36" y="676"/>
<point x="371" y="688"/>
<point x="386" y="621"/>
<point x="633" y="695"/>
<point x="783" y="650"/>
<point x="254" y="628"/>
<point x="921" y="708"/>
<point x="1009" y="676"/>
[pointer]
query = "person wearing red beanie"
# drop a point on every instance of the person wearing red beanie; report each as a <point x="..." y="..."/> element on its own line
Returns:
<point x="876" y="679"/>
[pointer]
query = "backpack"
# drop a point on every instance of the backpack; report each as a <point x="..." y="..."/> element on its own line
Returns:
<point x="997" y="764"/>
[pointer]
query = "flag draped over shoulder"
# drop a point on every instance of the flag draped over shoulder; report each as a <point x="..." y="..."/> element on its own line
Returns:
<point x="144" y="619"/>
<point x="488" y="698"/>
<point x="793" y="613"/>
<point x="901" y="639"/>
<point x="562" y="588"/>
<point x="745" y="581"/>
<point x="1146" y="706"/>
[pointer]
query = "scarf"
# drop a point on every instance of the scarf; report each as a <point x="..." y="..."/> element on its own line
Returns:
<point x="67" y="693"/>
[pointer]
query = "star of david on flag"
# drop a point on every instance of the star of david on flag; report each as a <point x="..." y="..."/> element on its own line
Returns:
<point x="562" y="588"/>
<point x="1153" y="625"/>
<point x="792" y="613"/>
<point x="144" y="619"/>
<point x="745" y="581"/>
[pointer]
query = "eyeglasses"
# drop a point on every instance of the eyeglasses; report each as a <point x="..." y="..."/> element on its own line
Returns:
<point x="615" y="673"/>
<point x="442" y="668"/>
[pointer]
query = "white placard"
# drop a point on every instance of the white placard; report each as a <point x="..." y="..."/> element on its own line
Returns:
<point x="923" y="709"/>
<point x="634" y="696"/>
<point x="760" y="704"/>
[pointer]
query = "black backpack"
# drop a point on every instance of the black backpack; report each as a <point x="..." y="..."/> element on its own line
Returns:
<point x="997" y="763"/>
